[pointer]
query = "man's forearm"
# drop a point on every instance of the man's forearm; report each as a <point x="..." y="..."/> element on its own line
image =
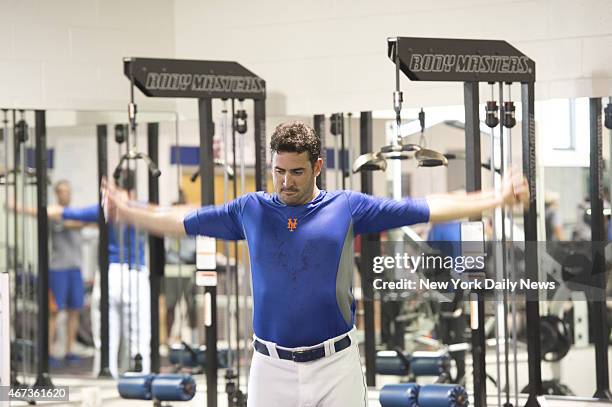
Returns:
<point x="54" y="212"/>
<point x="75" y="224"/>
<point x="168" y="223"/>
<point x="448" y="207"/>
<point x="23" y="210"/>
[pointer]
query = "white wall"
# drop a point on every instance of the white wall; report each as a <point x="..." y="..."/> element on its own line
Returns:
<point x="317" y="56"/>
<point x="325" y="56"/>
<point x="67" y="54"/>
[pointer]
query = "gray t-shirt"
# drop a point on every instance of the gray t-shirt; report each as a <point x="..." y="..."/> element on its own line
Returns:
<point x="65" y="247"/>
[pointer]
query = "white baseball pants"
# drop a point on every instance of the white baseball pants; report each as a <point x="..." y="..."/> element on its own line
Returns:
<point x="335" y="380"/>
<point x="129" y="316"/>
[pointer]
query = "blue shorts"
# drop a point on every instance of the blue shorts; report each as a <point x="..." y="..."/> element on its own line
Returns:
<point x="67" y="288"/>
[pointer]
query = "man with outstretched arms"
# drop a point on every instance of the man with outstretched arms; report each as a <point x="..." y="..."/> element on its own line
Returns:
<point x="300" y="244"/>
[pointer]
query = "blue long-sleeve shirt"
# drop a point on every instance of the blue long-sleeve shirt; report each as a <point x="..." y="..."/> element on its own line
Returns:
<point x="302" y="256"/>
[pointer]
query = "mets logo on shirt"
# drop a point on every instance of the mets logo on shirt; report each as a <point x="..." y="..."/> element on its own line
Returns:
<point x="291" y="224"/>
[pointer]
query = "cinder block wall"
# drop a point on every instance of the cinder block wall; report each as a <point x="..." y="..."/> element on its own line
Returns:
<point x="325" y="56"/>
<point x="316" y="56"/>
<point x="67" y="54"/>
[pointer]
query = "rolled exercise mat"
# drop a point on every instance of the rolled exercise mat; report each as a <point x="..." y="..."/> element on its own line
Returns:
<point x="389" y="363"/>
<point x="173" y="387"/>
<point x="442" y="395"/>
<point x="429" y="363"/>
<point x="135" y="386"/>
<point x="180" y="355"/>
<point x="399" y="395"/>
<point x="223" y="357"/>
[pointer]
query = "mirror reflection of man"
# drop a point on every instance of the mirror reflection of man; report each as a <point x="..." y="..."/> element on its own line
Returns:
<point x="129" y="311"/>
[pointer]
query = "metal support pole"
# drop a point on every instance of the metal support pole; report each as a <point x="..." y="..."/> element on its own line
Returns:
<point x="156" y="249"/>
<point x="598" y="239"/>
<point x="101" y="131"/>
<point x="349" y="152"/>
<point x="42" y="374"/>
<point x="370" y="247"/>
<point x="531" y="251"/>
<point x="15" y="252"/>
<point x="259" y="113"/>
<point x="208" y="198"/>
<point x="319" y="126"/>
<point x="341" y="159"/>
<point x="236" y="311"/>
<point x="504" y="243"/>
<point x="474" y="183"/>
<point x="5" y="140"/>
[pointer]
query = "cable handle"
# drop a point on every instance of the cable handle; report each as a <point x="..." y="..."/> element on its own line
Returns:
<point x="132" y="110"/>
<point x="134" y="155"/>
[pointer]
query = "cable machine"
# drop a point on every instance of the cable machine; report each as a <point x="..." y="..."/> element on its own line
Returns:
<point x="472" y="62"/>
<point x="205" y="81"/>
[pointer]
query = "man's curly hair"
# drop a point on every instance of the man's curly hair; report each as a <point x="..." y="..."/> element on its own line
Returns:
<point x="296" y="137"/>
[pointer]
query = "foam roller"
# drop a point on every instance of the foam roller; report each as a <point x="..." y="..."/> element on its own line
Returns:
<point x="399" y="395"/>
<point x="442" y="395"/>
<point x="429" y="365"/>
<point x="135" y="386"/>
<point x="179" y="355"/>
<point x="222" y="358"/>
<point x="389" y="363"/>
<point x="173" y="387"/>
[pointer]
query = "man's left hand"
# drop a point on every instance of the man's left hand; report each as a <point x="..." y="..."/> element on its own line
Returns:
<point x="515" y="189"/>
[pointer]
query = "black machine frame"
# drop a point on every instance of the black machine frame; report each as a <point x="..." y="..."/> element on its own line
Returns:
<point x="370" y="246"/>
<point x="204" y="81"/>
<point x="156" y="254"/>
<point x="599" y="311"/>
<point x="43" y="378"/>
<point x="472" y="62"/>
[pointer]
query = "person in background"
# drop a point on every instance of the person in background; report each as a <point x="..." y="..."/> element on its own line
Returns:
<point x="554" y="229"/>
<point x="179" y="279"/>
<point x="65" y="279"/>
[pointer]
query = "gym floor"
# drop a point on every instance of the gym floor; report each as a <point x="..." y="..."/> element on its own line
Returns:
<point x="83" y="392"/>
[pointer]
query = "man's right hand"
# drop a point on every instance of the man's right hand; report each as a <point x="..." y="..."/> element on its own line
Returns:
<point x="160" y="223"/>
<point x="55" y="212"/>
<point x="114" y="200"/>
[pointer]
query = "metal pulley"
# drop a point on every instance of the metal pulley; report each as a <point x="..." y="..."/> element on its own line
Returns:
<point x="608" y="116"/>
<point x="21" y="131"/>
<point x="508" y="114"/>
<point x="336" y="124"/>
<point x="240" y="121"/>
<point x="120" y="133"/>
<point x="492" y="119"/>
